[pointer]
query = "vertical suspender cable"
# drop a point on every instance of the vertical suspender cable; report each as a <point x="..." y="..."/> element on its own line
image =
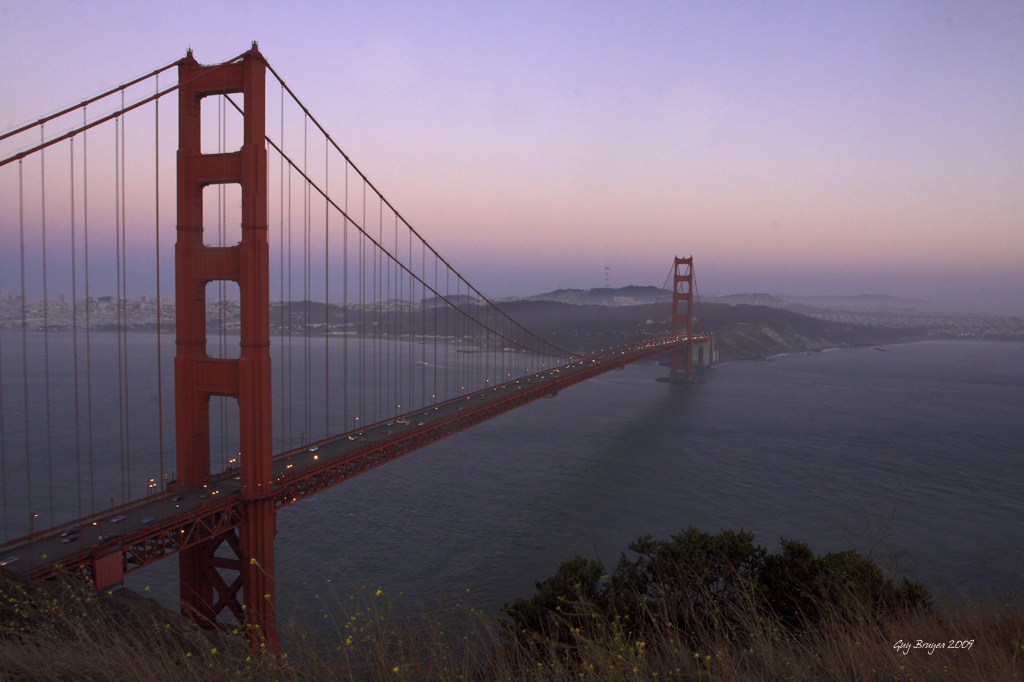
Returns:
<point x="327" y="293"/>
<point x="390" y="400"/>
<point x="396" y="328"/>
<point x="344" y="311"/>
<point x="362" y="315"/>
<point x="378" y="357"/>
<point x="456" y="360"/>
<point x="124" y="289"/>
<point x="498" y="344"/>
<point x="308" y="200"/>
<point x="46" y="325"/>
<point x="378" y="277"/>
<point x="462" y="327"/>
<point x="448" y="297"/>
<point x="305" y="279"/>
<point x="117" y="269"/>
<point x="400" y="314"/>
<point x="3" y="440"/>
<point x="434" y="392"/>
<point x="159" y="301"/>
<point x="281" y="324"/>
<point x="423" y="325"/>
<point x="385" y="273"/>
<point x="461" y="363"/>
<point x="504" y="375"/>
<point x="88" y="305"/>
<point x="408" y="354"/>
<point x="74" y="330"/>
<point x="224" y="292"/>
<point x="219" y="403"/>
<point x="291" y="440"/>
<point x="394" y="302"/>
<point x="222" y="220"/>
<point x="24" y="342"/>
<point x="377" y="324"/>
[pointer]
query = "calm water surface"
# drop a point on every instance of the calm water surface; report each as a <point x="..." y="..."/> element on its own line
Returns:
<point x="929" y="434"/>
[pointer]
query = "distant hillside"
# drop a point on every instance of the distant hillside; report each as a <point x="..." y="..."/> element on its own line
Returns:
<point x="756" y="331"/>
<point x="623" y="296"/>
<point x="816" y="304"/>
<point x="861" y="302"/>
<point x="748" y="299"/>
<point x="635" y="295"/>
<point x="742" y="331"/>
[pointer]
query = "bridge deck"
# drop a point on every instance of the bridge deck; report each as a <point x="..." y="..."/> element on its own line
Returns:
<point x="155" y="527"/>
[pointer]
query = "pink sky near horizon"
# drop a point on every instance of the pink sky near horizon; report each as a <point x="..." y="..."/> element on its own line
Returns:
<point x="792" y="148"/>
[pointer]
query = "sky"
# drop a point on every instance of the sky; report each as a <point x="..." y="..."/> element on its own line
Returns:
<point x="791" y="148"/>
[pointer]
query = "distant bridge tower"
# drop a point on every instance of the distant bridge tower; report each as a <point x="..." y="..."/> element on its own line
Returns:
<point x="682" y="319"/>
<point x="204" y="593"/>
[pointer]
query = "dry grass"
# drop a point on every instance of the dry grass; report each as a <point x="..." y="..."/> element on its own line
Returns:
<point x="68" y="632"/>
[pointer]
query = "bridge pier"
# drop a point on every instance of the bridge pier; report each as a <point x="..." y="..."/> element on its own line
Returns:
<point x="256" y="538"/>
<point x="678" y="378"/>
<point x="702" y="354"/>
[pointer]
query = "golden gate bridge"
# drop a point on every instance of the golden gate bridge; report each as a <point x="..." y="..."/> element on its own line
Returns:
<point x="266" y="203"/>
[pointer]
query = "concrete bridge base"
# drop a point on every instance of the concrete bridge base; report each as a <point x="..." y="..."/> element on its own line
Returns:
<point x="702" y="354"/>
<point x="679" y="378"/>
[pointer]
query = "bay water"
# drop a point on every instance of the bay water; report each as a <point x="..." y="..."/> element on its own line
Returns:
<point x="914" y="450"/>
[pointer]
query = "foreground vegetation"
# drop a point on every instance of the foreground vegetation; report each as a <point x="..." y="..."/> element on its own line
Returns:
<point x="697" y="606"/>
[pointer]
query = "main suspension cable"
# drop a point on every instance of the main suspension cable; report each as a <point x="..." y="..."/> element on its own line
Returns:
<point x="120" y="112"/>
<point x="89" y="101"/>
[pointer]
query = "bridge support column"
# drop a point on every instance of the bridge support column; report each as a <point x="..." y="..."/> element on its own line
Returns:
<point x="256" y="539"/>
<point x="204" y="593"/>
<point x="682" y="320"/>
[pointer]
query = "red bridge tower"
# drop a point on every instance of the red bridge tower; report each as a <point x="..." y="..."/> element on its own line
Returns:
<point x="682" y="321"/>
<point x="204" y="593"/>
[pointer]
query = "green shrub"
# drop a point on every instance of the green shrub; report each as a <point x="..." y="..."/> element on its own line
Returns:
<point x="698" y="582"/>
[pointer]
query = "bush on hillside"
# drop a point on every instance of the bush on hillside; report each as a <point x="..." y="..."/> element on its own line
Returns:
<point x="697" y="582"/>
